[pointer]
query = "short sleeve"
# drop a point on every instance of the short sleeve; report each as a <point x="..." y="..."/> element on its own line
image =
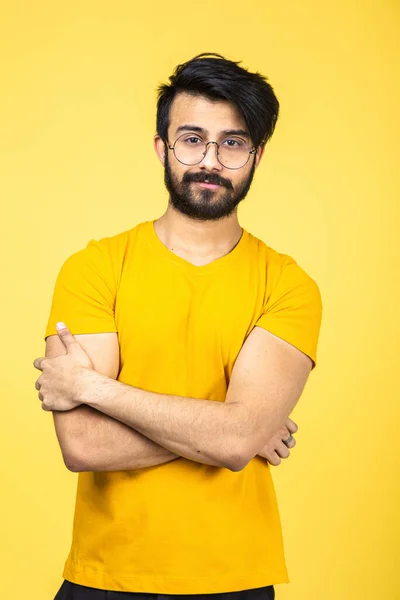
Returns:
<point x="84" y="292"/>
<point x="293" y="310"/>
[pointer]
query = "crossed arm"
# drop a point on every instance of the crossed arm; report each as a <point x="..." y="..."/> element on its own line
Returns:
<point x="131" y="428"/>
<point x="90" y="440"/>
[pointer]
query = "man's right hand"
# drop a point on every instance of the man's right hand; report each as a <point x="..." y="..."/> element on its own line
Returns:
<point x="275" y="450"/>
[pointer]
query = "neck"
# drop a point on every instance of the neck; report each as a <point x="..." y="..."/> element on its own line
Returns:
<point x="198" y="240"/>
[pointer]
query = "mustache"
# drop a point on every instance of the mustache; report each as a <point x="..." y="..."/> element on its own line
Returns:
<point x="204" y="178"/>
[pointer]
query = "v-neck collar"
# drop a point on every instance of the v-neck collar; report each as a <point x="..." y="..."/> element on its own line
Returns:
<point x="167" y="254"/>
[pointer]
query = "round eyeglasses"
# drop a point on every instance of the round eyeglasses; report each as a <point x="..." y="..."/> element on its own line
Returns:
<point x="232" y="152"/>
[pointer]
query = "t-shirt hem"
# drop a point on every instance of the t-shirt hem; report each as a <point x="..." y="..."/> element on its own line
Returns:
<point x="98" y="327"/>
<point x="166" y="584"/>
<point x="287" y="337"/>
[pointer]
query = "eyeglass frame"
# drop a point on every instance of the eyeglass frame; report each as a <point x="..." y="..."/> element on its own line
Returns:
<point x="252" y="151"/>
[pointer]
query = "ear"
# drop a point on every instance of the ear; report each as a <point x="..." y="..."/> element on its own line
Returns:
<point x="159" y="147"/>
<point x="259" y="154"/>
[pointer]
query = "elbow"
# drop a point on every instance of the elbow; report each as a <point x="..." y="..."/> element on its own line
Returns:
<point x="73" y="442"/>
<point x="236" y="464"/>
<point x="237" y="457"/>
<point x="73" y="467"/>
<point x="235" y="467"/>
<point x="241" y="451"/>
<point x="73" y="464"/>
<point x="75" y="460"/>
<point x="240" y="448"/>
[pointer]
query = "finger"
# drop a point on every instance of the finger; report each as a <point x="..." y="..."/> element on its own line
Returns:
<point x="274" y="459"/>
<point x="66" y="336"/>
<point x="292" y="426"/>
<point x="37" y="363"/>
<point x="291" y="444"/>
<point x="37" y="384"/>
<point x="288" y="440"/>
<point x="283" y="433"/>
<point x="282" y="450"/>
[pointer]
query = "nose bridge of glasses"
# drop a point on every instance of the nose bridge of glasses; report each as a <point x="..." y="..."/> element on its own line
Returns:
<point x="211" y="142"/>
<point x="211" y="156"/>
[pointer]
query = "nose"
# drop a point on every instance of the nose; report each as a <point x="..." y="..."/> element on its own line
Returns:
<point x="210" y="162"/>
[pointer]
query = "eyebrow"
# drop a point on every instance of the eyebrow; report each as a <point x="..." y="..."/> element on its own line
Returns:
<point x="198" y="129"/>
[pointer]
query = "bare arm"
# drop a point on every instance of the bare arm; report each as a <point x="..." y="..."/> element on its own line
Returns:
<point x="267" y="381"/>
<point x="90" y="440"/>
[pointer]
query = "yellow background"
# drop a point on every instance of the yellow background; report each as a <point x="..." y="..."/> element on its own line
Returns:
<point x="77" y="114"/>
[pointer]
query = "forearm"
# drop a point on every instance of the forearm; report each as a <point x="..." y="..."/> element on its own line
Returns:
<point x="200" y="430"/>
<point x="93" y="441"/>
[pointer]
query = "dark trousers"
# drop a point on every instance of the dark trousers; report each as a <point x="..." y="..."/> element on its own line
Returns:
<point x="73" y="591"/>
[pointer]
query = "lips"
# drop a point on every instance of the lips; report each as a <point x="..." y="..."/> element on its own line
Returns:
<point x="210" y="181"/>
<point x="209" y="186"/>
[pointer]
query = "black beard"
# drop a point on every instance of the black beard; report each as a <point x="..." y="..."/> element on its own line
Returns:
<point x="200" y="205"/>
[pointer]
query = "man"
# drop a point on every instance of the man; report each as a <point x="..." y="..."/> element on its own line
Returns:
<point x="187" y="343"/>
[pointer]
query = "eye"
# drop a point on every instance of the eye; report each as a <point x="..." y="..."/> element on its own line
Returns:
<point x="192" y="140"/>
<point x="234" y="143"/>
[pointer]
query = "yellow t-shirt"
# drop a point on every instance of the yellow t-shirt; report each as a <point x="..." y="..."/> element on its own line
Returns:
<point x="182" y="527"/>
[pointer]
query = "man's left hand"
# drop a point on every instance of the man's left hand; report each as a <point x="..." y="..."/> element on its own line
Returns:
<point x="63" y="376"/>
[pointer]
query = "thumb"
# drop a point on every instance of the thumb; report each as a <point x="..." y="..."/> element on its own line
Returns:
<point x="65" y="336"/>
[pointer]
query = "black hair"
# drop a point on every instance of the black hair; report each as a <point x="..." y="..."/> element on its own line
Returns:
<point x="214" y="77"/>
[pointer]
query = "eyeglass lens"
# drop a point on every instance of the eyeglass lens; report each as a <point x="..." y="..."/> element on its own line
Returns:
<point x="233" y="152"/>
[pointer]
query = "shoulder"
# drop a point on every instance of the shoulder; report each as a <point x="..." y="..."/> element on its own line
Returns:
<point x="100" y="262"/>
<point x="282" y="270"/>
<point x="118" y="243"/>
<point x="107" y="249"/>
<point x="292" y="308"/>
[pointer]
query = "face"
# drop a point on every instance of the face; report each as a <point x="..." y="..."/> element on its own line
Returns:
<point x="206" y="191"/>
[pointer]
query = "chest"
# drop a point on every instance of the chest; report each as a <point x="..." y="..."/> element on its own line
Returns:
<point x="188" y="326"/>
